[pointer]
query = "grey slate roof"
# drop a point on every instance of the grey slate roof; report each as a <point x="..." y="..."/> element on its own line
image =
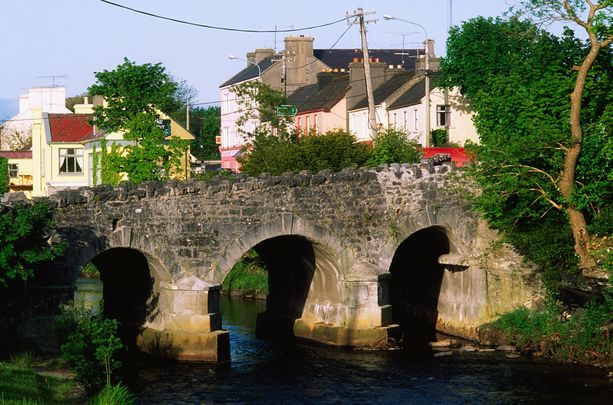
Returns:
<point x="249" y="72"/>
<point x="337" y="59"/>
<point x="412" y="96"/>
<point x="341" y="58"/>
<point x="382" y="92"/>
<point x="328" y="95"/>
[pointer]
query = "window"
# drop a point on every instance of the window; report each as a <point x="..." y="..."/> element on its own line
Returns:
<point x="415" y="120"/>
<point x="71" y="160"/>
<point x="13" y="169"/>
<point x="442" y="115"/>
<point x="404" y="120"/>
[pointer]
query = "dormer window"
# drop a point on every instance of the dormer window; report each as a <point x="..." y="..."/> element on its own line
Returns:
<point x="71" y="160"/>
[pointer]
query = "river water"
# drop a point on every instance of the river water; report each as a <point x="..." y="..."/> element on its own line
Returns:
<point x="282" y="372"/>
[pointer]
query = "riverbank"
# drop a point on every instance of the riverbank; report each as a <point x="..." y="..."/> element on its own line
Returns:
<point x="28" y="378"/>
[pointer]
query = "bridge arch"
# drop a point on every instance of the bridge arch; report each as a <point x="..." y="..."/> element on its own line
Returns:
<point x="306" y="269"/>
<point x="415" y="283"/>
<point x="130" y="282"/>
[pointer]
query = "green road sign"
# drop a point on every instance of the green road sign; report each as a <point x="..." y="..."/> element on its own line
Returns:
<point x="286" y="110"/>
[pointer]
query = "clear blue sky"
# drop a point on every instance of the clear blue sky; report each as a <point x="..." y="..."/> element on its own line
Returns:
<point x="76" y="38"/>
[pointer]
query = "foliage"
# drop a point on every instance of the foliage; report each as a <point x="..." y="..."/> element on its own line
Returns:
<point x="580" y="336"/>
<point x="135" y="95"/>
<point x="74" y="100"/>
<point x="4" y="175"/>
<point x="22" y="360"/>
<point x="24" y="234"/>
<point x="205" y="123"/>
<point x="90" y="344"/>
<point x="248" y="276"/>
<point x="114" y="395"/>
<point x="393" y="146"/>
<point x="259" y="101"/>
<point x="333" y="150"/>
<point x="438" y="137"/>
<point x="518" y="79"/>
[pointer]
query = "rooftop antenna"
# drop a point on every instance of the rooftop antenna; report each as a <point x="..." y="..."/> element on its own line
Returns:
<point x="275" y="27"/>
<point x="403" y="34"/>
<point x="52" y="77"/>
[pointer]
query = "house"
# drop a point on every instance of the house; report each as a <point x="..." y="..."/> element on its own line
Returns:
<point x="322" y="107"/>
<point x="63" y="148"/>
<point x="20" y="171"/>
<point x="15" y="134"/>
<point x="290" y="71"/>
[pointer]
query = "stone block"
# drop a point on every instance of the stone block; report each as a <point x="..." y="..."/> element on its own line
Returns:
<point x="379" y="337"/>
<point x="213" y="347"/>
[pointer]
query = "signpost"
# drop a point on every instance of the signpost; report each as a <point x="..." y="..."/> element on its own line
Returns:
<point x="286" y="110"/>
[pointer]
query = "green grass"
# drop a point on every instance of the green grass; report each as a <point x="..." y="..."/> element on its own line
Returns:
<point x="23" y="385"/>
<point x="248" y="276"/>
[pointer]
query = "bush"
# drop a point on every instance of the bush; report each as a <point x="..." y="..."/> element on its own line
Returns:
<point x="90" y="344"/>
<point x="580" y="336"/>
<point x="438" y="137"/>
<point x="393" y="146"/>
<point x="333" y="150"/>
<point x="114" y="395"/>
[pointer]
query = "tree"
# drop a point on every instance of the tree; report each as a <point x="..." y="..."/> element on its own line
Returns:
<point x="518" y="78"/>
<point x="24" y="234"/>
<point x="135" y="95"/>
<point x="596" y="18"/>
<point x="205" y="124"/>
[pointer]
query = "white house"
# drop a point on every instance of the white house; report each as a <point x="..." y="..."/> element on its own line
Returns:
<point x="17" y="131"/>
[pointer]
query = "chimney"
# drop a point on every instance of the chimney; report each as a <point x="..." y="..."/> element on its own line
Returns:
<point x="357" y="80"/>
<point x="298" y="55"/>
<point x="260" y="54"/>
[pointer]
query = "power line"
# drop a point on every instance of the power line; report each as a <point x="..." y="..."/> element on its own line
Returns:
<point x="214" y="27"/>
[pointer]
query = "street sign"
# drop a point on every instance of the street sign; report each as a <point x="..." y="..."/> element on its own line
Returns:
<point x="286" y="110"/>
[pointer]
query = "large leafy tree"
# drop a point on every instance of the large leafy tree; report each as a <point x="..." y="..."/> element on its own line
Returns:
<point x="596" y="19"/>
<point x="518" y="79"/>
<point x="135" y="95"/>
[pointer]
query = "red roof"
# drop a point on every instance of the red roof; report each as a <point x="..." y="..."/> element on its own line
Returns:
<point x="69" y="127"/>
<point x="16" y="155"/>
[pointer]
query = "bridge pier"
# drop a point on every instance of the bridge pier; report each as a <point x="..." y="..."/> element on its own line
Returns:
<point x="362" y="319"/>
<point x="188" y="323"/>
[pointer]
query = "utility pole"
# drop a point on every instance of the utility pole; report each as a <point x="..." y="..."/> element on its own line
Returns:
<point x="187" y="117"/>
<point x="427" y="79"/>
<point x="372" y="120"/>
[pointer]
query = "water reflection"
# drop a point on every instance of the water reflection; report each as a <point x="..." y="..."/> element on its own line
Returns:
<point x="282" y="371"/>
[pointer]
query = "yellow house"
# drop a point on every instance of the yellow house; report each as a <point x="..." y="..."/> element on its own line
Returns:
<point x="63" y="148"/>
<point x="20" y="171"/>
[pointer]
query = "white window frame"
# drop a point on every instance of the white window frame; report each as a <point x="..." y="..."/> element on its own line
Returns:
<point x="73" y="158"/>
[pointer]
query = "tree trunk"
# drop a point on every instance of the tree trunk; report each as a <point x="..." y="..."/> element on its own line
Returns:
<point x="567" y="178"/>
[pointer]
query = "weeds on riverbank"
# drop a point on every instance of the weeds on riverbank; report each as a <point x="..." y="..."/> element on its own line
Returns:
<point x="248" y="276"/>
<point x="582" y="336"/>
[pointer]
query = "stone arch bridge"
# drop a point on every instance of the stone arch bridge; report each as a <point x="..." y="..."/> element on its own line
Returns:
<point x="355" y="258"/>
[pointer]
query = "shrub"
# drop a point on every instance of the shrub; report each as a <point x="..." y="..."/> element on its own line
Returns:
<point x="438" y="137"/>
<point x="333" y="150"/>
<point x="393" y="146"/>
<point x="90" y="344"/>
